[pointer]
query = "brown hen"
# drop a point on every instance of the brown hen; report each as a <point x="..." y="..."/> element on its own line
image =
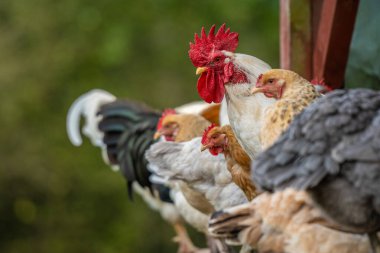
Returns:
<point x="222" y="140"/>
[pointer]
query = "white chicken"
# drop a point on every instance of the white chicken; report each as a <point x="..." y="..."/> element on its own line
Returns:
<point x="202" y="171"/>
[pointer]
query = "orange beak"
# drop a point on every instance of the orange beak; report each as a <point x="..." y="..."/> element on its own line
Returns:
<point x="200" y="70"/>
<point x="204" y="147"/>
<point x="256" y="90"/>
<point x="157" y="135"/>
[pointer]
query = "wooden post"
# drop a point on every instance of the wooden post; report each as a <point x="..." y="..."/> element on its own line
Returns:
<point x="295" y="36"/>
<point x="332" y="39"/>
<point x="316" y="37"/>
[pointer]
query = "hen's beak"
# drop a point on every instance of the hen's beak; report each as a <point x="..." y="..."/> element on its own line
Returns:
<point x="256" y="90"/>
<point x="204" y="147"/>
<point x="156" y="135"/>
<point x="200" y="70"/>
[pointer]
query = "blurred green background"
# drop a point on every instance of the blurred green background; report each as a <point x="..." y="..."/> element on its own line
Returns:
<point x="58" y="198"/>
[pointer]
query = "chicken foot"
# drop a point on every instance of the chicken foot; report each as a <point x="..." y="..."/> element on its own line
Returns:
<point x="183" y="240"/>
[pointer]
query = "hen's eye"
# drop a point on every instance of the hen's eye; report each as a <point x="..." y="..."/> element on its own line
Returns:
<point x="270" y="80"/>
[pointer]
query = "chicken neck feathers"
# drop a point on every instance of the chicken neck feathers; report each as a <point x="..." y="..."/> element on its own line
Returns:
<point x="238" y="164"/>
<point x="246" y="112"/>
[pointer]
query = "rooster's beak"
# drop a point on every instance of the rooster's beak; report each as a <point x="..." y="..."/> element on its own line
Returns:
<point x="204" y="147"/>
<point x="200" y="70"/>
<point x="156" y="135"/>
<point x="256" y="90"/>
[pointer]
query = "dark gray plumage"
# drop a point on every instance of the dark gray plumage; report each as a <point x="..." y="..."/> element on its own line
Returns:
<point x="332" y="150"/>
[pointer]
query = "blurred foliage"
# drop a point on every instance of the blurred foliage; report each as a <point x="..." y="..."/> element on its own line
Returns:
<point x="363" y="67"/>
<point x="58" y="198"/>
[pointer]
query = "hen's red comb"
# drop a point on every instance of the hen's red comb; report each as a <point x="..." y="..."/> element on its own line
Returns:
<point x="165" y="113"/>
<point x="207" y="130"/>
<point x="222" y="40"/>
<point x="324" y="88"/>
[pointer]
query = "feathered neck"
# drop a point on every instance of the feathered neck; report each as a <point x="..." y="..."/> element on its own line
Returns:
<point x="299" y="89"/>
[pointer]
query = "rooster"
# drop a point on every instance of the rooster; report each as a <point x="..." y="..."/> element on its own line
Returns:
<point x="224" y="73"/>
<point x="292" y="92"/>
<point x="283" y="222"/>
<point x="222" y="140"/>
<point x="331" y="150"/>
<point x="124" y="130"/>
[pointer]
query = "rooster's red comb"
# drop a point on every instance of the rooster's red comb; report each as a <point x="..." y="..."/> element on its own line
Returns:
<point x="165" y="113"/>
<point x="207" y="130"/>
<point x="222" y="40"/>
<point x="259" y="78"/>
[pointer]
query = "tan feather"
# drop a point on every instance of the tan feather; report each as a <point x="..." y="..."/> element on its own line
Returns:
<point x="211" y="113"/>
<point x="190" y="125"/>
<point x="284" y="222"/>
<point x="298" y="94"/>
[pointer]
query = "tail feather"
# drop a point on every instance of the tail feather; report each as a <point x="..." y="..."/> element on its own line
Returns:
<point x="128" y="129"/>
<point x="229" y="223"/>
<point x="122" y="128"/>
<point x="87" y="105"/>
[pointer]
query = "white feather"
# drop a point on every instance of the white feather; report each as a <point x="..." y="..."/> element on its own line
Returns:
<point x="223" y="114"/>
<point x="87" y="105"/>
<point x="167" y="210"/>
<point x="202" y="171"/>
<point x="193" y="107"/>
<point x="246" y="111"/>
<point x="191" y="215"/>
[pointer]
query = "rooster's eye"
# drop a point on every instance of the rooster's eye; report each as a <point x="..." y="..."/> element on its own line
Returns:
<point x="217" y="59"/>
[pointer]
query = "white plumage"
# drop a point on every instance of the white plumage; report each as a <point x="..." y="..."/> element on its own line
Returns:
<point x="246" y="111"/>
<point x="87" y="105"/>
<point x="202" y="171"/>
